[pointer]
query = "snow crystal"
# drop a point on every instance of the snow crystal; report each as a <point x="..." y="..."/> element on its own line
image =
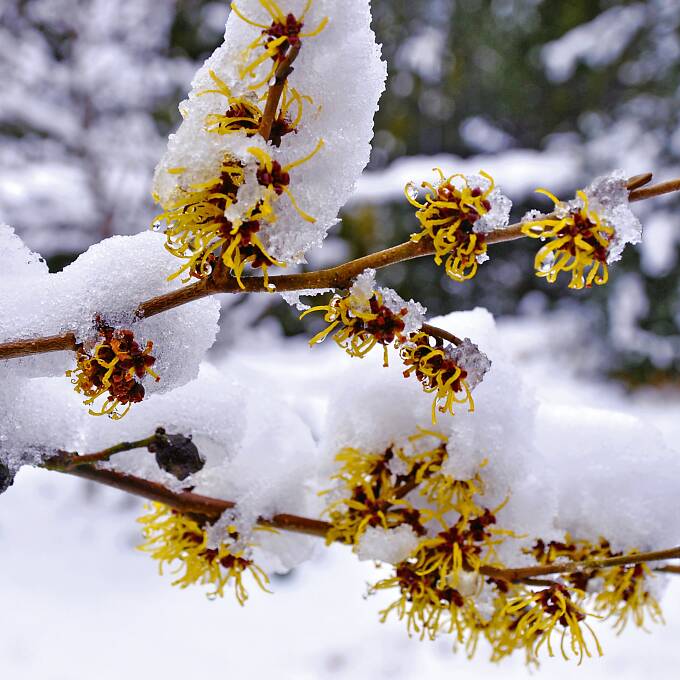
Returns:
<point x="475" y="363"/>
<point x="608" y="197"/>
<point x="293" y="297"/>
<point x="387" y="545"/>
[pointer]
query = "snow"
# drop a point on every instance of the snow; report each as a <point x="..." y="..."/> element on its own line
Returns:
<point x="596" y="43"/>
<point x="316" y="624"/>
<point x="341" y="115"/>
<point x="387" y="545"/>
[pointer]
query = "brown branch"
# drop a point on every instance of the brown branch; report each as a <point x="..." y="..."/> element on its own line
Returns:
<point x="275" y="91"/>
<point x="335" y="277"/>
<point x="511" y="574"/>
<point x="655" y="190"/>
<point x="440" y="333"/>
<point x="211" y="509"/>
<point x="188" y="502"/>
<point x="65" y="461"/>
<point x="638" y="181"/>
<point x="22" y="348"/>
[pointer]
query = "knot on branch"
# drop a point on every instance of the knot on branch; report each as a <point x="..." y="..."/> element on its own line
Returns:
<point x="176" y="454"/>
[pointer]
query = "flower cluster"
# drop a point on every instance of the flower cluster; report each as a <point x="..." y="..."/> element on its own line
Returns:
<point x="403" y="506"/>
<point x="622" y="592"/>
<point x="368" y="316"/>
<point x="216" y="212"/>
<point x="450" y="372"/>
<point x="455" y="215"/>
<point x="179" y="541"/>
<point x="115" y="364"/>
<point x="586" y="234"/>
<point x="262" y="141"/>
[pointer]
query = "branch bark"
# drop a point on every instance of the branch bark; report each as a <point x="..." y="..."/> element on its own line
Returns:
<point x="211" y="508"/>
<point x="339" y="276"/>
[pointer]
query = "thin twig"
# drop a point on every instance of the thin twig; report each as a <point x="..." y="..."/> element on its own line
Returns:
<point x="188" y="502"/>
<point x="335" y="277"/>
<point x="511" y="574"/>
<point x="655" y="190"/>
<point x="440" y="333"/>
<point x="65" y="461"/>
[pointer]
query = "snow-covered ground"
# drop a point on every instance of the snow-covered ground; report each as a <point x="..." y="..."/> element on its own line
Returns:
<point x="78" y="601"/>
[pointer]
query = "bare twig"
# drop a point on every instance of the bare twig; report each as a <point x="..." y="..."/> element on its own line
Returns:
<point x="188" y="502"/>
<point x="511" y="574"/>
<point x="440" y="333"/>
<point x="65" y="461"/>
<point x="655" y="190"/>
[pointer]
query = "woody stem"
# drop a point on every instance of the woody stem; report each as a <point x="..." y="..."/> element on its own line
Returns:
<point x="211" y="509"/>
<point x="339" y="276"/>
<point x="275" y="92"/>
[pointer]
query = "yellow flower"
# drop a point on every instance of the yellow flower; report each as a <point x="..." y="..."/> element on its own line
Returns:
<point x="359" y="323"/>
<point x="621" y="592"/>
<point x="539" y="614"/>
<point x="448" y="216"/>
<point x="438" y="371"/>
<point x="115" y="366"/>
<point x="199" y="232"/>
<point x="285" y="32"/>
<point x="181" y="543"/>
<point x="275" y="178"/>
<point x="429" y="610"/>
<point x="578" y="243"/>
<point x="244" y="114"/>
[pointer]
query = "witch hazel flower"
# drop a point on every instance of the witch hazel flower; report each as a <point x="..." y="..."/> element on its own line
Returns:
<point x="586" y="234"/>
<point x="114" y="365"/>
<point x="367" y="316"/>
<point x="448" y="371"/>
<point x="182" y="543"/>
<point x="269" y="150"/>
<point x="455" y="214"/>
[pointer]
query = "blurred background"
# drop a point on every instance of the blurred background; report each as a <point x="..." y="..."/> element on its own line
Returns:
<point x="535" y="92"/>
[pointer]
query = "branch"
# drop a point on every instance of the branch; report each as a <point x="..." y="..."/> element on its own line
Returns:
<point x="188" y="502"/>
<point x="284" y="70"/>
<point x="440" y="333"/>
<point x="511" y="574"/>
<point x="211" y="509"/>
<point x="65" y="461"/>
<point x="339" y="276"/>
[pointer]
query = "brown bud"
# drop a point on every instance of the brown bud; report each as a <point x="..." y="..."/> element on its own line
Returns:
<point x="176" y="454"/>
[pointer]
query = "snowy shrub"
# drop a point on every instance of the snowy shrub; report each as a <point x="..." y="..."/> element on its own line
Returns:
<point x="435" y="456"/>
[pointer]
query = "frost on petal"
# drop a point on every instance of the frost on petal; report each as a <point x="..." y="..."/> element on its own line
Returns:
<point x="469" y="357"/>
<point x="608" y="197"/>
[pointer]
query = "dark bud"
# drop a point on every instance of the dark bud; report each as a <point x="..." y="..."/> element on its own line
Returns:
<point x="176" y="454"/>
<point x="6" y="477"/>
